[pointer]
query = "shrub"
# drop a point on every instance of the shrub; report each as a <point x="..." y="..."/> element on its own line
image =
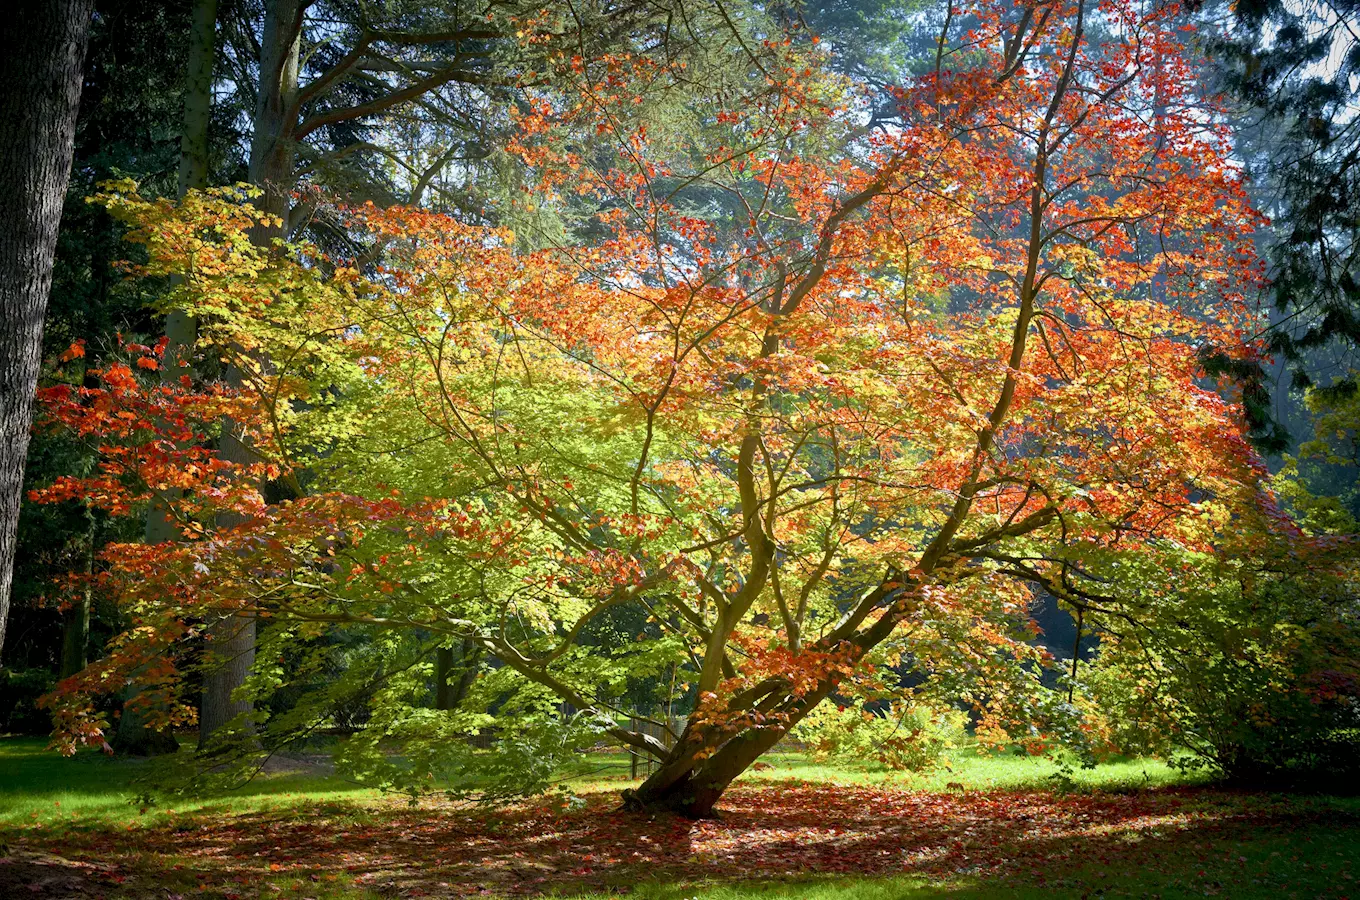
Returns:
<point x="904" y="736"/>
<point x="1252" y="668"/>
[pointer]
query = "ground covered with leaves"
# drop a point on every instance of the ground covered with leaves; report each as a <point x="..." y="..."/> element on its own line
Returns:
<point x="781" y="839"/>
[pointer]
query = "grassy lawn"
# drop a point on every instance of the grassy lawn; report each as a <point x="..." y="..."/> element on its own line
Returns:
<point x="986" y="827"/>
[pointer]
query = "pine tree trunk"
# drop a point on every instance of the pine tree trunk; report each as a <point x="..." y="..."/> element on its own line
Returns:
<point x="40" y="79"/>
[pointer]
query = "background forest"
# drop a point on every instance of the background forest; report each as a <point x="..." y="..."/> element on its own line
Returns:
<point x="454" y="390"/>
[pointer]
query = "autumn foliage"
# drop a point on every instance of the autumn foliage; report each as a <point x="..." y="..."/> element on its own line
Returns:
<point x="814" y="406"/>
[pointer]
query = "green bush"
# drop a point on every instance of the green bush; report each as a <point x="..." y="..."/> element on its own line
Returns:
<point x="904" y="736"/>
<point x="1252" y="668"/>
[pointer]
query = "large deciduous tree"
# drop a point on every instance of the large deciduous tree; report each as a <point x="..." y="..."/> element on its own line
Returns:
<point x="40" y="82"/>
<point x="811" y="405"/>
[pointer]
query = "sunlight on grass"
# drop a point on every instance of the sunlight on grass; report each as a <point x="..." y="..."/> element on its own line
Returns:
<point x="964" y="769"/>
<point x="1094" y="842"/>
<point x="37" y="786"/>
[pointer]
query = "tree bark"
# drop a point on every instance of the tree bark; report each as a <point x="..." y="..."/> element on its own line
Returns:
<point x="704" y="762"/>
<point x="180" y="328"/>
<point x="273" y="152"/>
<point x="443" y="668"/>
<point x="193" y="143"/>
<point x="447" y="696"/>
<point x="40" y="81"/>
<point x="232" y="648"/>
<point x="272" y="157"/>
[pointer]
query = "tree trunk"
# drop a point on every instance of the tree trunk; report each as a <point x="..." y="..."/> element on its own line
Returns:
<point x="75" y="626"/>
<point x="40" y="80"/>
<point x="193" y="143"/>
<point x="273" y="152"/>
<point x="230" y="651"/>
<point x="443" y="668"/>
<point x="231" y="646"/>
<point x="134" y="736"/>
<point x="704" y="762"/>
<point x="447" y="696"/>
<point x="180" y="328"/>
<point x="271" y="168"/>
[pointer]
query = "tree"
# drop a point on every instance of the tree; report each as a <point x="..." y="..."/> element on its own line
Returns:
<point x="434" y="69"/>
<point x="131" y="110"/>
<point x="41" y="80"/>
<point x="811" y="403"/>
<point x="1296" y="63"/>
<point x="135" y="735"/>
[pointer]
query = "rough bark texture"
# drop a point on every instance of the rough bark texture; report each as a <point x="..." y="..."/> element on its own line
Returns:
<point x="40" y="80"/>
<point x="272" y="156"/>
<point x="232" y="648"/>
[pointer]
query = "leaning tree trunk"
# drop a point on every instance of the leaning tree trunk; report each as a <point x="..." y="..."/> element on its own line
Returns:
<point x="272" y="154"/>
<point x="40" y="80"/>
<point x="706" y="760"/>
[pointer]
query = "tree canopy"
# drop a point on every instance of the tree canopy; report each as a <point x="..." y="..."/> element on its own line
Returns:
<point x="810" y="401"/>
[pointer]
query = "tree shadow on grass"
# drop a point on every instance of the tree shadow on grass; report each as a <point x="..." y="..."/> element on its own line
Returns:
<point x="776" y="840"/>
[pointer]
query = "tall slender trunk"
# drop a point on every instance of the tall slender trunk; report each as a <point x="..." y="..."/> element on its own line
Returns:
<point x="180" y="328"/>
<point x="272" y="156"/>
<point x="134" y="736"/>
<point x="40" y="79"/>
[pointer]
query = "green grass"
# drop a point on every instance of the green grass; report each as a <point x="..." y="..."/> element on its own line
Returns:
<point x="1220" y="843"/>
<point x="39" y="785"/>
<point x="969" y="770"/>
<point x="91" y="789"/>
